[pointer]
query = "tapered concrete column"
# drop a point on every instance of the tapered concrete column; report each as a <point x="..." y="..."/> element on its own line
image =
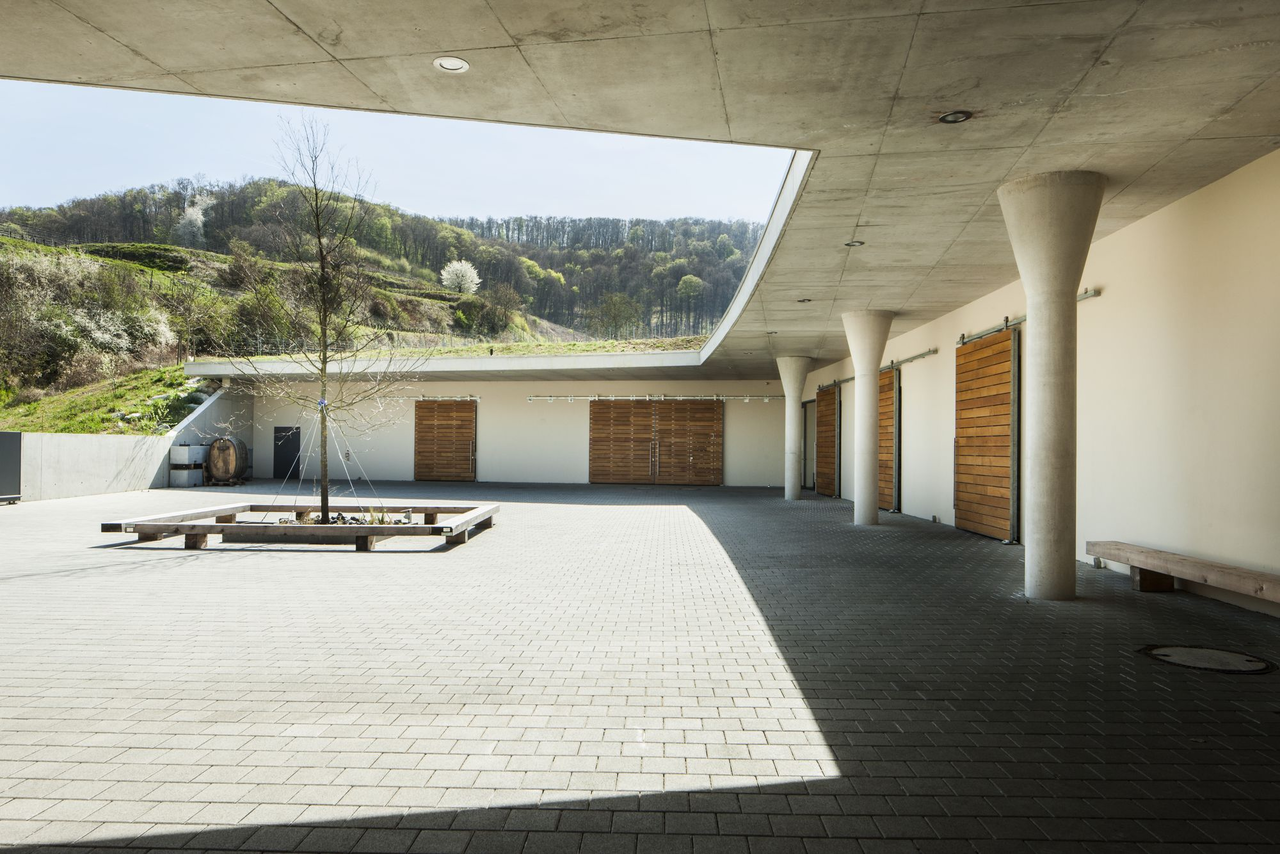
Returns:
<point x="1050" y="218"/>
<point x="867" y="332"/>
<point x="793" y="370"/>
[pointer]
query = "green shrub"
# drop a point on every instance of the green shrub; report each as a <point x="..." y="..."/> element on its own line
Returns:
<point x="152" y="255"/>
<point x="481" y="317"/>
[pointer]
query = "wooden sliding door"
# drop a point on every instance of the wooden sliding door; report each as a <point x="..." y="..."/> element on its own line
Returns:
<point x="986" y="443"/>
<point x="890" y="446"/>
<point x="689" y="442"/>
<point x="621" y="441"/>
<point x="826" y="451"/>
<point x="444" y="440"/>
<point x="657" y="441"/>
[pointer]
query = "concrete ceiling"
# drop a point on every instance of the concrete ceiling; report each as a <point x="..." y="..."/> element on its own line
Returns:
<point x="1163" y="96"/>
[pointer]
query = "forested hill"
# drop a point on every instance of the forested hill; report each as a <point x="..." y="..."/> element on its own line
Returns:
<point x="613" y="277"/>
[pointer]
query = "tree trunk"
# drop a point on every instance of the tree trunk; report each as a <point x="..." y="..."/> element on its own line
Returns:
<point x="324" y="445"/>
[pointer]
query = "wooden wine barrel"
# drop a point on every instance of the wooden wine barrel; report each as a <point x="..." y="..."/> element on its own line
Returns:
<point x="228" y="460"/>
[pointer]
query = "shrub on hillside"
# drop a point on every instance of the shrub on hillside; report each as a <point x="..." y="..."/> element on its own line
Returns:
<point x="152" y="255"/>
<point x="382" y="310"/>
<point x="245" y="270"/>
<point x="28" y="394"/>
<point x="263" y="314"/>
<point x="55" y="306"/>
<point x="84" y="367"/>
<point x="478" y="317"/>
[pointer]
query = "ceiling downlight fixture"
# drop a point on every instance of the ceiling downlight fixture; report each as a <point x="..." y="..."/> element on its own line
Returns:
<point x="806" y="299"/>
<point x="856" y="243"/>
<point x="955" y="117"/>
<point x="451" y="64"/>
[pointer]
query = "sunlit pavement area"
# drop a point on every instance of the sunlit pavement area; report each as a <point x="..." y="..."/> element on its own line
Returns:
<point x="611" y="669"/>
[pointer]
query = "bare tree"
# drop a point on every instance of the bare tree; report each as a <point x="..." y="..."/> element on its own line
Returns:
<point x="322" y="217"/>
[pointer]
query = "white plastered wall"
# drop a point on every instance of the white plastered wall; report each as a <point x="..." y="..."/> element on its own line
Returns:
<point x="1179" y="382"/>
<point x="521" y="441"/>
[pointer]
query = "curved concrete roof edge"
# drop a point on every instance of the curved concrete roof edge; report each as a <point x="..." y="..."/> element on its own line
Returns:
<point x="631" y="363"/>
<point x="783" y="205"/>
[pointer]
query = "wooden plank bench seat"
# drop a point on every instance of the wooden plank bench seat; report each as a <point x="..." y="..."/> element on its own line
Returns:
<point x="456" y="526"/>
<point x="430" y="511"/>
<point x="1153" y="570"/>
<point x="126" y="525"/>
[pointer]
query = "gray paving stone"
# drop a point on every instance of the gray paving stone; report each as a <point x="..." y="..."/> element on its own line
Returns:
<point x="554" y="842"/>
<point x="441" y="842"/>
<point x="631" y="669"/>
<point x="276" y="838"/>
<point x="378" y="840"/>
<point x="330" y="839"/>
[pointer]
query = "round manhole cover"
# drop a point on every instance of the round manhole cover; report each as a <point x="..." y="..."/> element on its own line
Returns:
<point x="1205" y="658"/>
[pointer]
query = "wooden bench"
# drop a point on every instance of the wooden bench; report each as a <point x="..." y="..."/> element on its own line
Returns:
<point x="1154" y="571"/>
<point x="460" y="521"/>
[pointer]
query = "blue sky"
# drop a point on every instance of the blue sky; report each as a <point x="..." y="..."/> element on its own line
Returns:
<point x="63" y="142"/>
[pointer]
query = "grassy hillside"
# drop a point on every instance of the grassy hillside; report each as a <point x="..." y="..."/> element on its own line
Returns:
<point x="140" y="403"/>
<point x="76" y="314"/>
<point x="87" y="330"/>
<point x="675" y="277"/>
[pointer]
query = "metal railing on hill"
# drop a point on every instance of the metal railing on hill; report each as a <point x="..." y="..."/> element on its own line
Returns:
<point x="31" y="235"/>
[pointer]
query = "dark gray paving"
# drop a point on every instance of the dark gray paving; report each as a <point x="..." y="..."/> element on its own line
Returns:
<point x="614" y="669"/>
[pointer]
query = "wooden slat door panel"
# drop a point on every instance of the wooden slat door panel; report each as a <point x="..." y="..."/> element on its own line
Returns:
<point x="986" y="443"/>
<point x="621" y="441"/>
<point x="657" y="441"/>
<point x="888" y="451"/>
<point x="672" y="460"/>
<point x="689" y="437"/>
<point x="826" y="451"/>
<point x="810" y="409"/>
<point x="444" y="440"/>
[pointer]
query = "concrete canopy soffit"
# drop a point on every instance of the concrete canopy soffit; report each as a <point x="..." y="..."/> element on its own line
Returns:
<point x="1161" y="97"/>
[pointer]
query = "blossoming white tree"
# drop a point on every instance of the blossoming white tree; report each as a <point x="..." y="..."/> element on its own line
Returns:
<point x="460" y="276"/>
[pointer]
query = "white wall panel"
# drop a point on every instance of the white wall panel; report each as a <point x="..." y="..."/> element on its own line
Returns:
<point x="521" y="441"/>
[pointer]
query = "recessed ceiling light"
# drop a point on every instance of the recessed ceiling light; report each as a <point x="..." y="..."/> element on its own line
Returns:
<point x="451" y="64"/>
<point x="955" y="117"/>
<point x="856" y="243"/>
<point x="748" y="352"/>
<point x="806" y="299"/>
<point x="771" y="333"/>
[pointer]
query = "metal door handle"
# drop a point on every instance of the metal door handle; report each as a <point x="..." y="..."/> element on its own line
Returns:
<point x="473" y="456"/>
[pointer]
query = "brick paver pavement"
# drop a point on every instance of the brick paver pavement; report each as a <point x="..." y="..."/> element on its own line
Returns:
<point x="612" y="670"/>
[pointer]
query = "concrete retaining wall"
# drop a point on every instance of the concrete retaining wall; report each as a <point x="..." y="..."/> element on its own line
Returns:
<point x="64" y="465"/>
